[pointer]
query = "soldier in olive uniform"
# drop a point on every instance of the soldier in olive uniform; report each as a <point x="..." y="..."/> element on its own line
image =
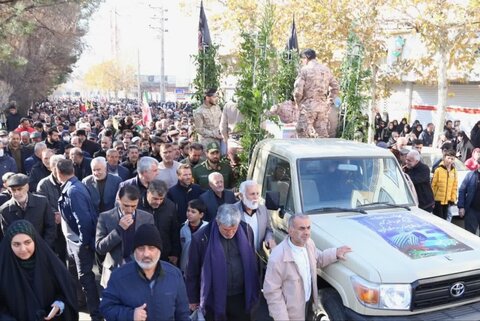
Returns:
<point x="314" y="90"/>
<point x="207" y="119"/>
<point x="213" y="164"/>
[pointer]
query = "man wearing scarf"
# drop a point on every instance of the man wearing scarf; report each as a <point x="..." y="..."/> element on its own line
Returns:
<point x="222" y="277"/>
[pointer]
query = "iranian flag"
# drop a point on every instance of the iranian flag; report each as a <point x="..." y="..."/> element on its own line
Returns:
<point x="146" y="111"/>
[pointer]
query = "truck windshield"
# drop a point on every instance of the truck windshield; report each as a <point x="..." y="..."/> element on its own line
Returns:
<point x="352" y="183"/>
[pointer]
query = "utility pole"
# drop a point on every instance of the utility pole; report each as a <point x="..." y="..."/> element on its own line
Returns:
<point x="161" y="28"/>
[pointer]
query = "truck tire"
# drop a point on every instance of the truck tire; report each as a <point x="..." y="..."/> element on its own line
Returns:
<point x="331" y="306"/>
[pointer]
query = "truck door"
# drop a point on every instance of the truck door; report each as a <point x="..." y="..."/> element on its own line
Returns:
<point x="277" y="178"/>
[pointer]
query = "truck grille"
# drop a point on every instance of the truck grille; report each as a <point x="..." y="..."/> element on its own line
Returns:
<point x="443" y="290"/>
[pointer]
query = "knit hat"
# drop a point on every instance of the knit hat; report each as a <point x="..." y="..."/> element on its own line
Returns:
<point x="147" y="234"/>
<point x="20" y="227"/>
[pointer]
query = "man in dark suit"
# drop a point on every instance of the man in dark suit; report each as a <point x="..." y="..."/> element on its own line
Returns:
<point x="27" y="206"/>
<point x="81" y="163"/>
<point x="216" y="196"/>
<point x="116" y="229"/>
<point x="184" y="191"/>
<point x="113" y="167"/>
<point x="102" y="186"/>
<point x="147" y="171"/>
<point x="87" y="145"/>
<point x="164" y="215"/>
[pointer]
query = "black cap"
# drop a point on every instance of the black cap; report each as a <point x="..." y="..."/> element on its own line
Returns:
<point x="147" y="234"/>
<point x="210" y="92"/>
<point x="17" y="180"/>
<point x="80" y="132"/>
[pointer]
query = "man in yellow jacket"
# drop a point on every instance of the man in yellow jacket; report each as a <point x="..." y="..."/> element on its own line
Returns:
<point x="444" y="185"/>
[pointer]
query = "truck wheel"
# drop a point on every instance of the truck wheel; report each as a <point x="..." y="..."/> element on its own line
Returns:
<point x="331" y="306"/>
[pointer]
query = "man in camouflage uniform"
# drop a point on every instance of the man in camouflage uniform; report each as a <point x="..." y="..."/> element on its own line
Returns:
<point x="207" y="119"/>
<point x="314" y="90"/>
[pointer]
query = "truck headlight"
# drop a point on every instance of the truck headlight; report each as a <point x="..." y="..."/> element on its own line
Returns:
<point x="382" y="296"/>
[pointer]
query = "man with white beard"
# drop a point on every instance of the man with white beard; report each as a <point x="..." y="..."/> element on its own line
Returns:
<point x="146" y="287"/>
<point x="255" y="215"/>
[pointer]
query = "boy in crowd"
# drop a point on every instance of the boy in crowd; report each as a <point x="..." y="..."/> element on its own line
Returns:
<point x="195" y="212"/>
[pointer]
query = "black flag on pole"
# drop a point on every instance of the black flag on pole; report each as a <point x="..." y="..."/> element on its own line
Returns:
<point x="204" y="39"/>
<point x="292" y="43"/>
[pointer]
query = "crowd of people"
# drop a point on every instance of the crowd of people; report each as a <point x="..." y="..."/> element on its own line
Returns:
<point x="156" y="209"/>
<point x="153" y="207"/>
<point x="437" y="186"/>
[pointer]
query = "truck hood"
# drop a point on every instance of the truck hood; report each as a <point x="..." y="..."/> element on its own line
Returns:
<point x="398" y="246"/>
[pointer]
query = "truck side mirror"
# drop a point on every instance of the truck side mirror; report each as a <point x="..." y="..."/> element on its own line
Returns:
<point x="272" y="200"/>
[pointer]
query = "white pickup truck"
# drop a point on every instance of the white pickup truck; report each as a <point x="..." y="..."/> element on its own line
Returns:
<point x="406" y="263"/>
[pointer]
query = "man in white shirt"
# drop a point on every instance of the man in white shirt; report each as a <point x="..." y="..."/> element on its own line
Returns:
<point x="167" y="169"/>
<point x="290" y="285"/>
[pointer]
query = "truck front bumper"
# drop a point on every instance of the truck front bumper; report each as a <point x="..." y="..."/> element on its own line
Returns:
<point x="461" y="313"/>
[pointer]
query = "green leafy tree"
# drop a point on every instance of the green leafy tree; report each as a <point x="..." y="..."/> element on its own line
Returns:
<point x="354" y="88"/>
<point x="287" y="73"/>
<point x="257" y="85"/>
<point x="209" y="71"/>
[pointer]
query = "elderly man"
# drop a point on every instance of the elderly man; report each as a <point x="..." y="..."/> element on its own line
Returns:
<point x="213" y="164"/>
<point x="314" y="89"/>
<point x="102" y="186"/>
<point x="165" y="215"/>
<point x="81" y="163"/>
<point x="184" y="191"/>
<point x="146" y="288"/>
<point x="147" y="172"/>
<point x="27" y="206"/>
<point x="167" y="168"/>
<point x="216" y="196"/>
<point x="113" y="167"/>
<point x="50" y="187"/>
<point x="40" y="170"/>
<point x="222" y="263"/>
<point x="420" y="175"/>
<point x="36" y="158"/>
<point x="116" y="229"/>
<point x="207" y="119"/>
<point x="296" y="258"/>
<point x="79" y="220"/>
<point x="255" y="215"/>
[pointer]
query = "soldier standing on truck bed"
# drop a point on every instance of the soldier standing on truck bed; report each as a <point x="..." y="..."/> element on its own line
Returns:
<point x="314" y="90"/>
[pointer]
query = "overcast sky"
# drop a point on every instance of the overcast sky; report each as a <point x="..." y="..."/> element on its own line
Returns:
<point x="134" y="18"/>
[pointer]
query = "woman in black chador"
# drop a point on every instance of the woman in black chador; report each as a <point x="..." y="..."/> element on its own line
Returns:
<point x="34" y="284"/>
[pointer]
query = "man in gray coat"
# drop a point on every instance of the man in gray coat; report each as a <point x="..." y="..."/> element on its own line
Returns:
<point x="255" y="215"/>
<point x="116" y="229"/>
<point x="101" y="185"/>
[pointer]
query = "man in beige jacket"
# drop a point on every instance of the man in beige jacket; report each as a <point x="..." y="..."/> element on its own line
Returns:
<point x="291" y="280"/>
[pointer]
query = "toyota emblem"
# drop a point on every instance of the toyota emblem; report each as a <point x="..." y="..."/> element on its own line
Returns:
<point x="457" y="290"/>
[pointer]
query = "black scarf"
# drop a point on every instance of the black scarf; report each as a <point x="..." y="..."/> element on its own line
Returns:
<point x="26" y="293"/>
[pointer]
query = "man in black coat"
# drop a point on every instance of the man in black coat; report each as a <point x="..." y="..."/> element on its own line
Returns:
<point x="164" y="214"/>
<point x="87" y="145"/>
<point x="81" y="163"/>
<point x="27" y="206"/>
<point x="216" y="196"/>
<point x="420" y="175"/>
<point x="184" y="191"/>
